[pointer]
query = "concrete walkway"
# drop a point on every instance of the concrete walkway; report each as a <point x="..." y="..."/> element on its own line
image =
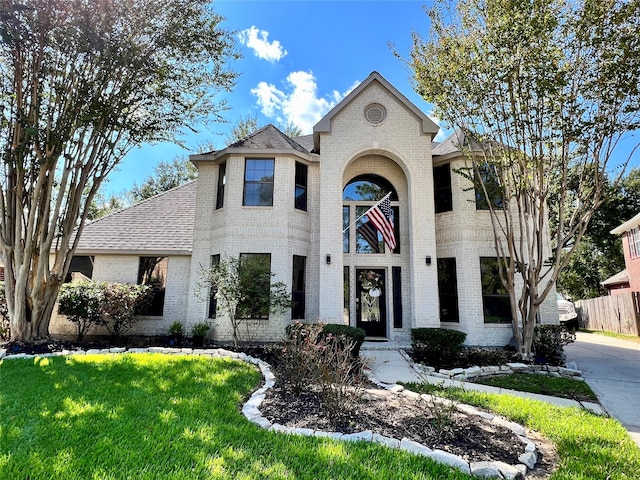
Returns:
<point x="611" y="367"/>
<point x="389" y="365"/>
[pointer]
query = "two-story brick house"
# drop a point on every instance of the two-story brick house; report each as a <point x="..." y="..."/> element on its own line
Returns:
<point x="298" y="203"/>
<point x="628" y="280"/>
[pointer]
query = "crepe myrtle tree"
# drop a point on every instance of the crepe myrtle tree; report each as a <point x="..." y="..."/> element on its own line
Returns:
<point x="541" y="93"/>
<point x="243" y="290"/>
<point x="81" y="83"/>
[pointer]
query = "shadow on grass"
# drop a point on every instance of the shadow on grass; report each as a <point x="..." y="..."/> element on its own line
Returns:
<point x="158" y="416"/>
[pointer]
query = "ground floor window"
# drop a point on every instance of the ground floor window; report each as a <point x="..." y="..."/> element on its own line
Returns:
<point x="448" y="290"/>
<point x="213" y="301"/>
<point x="255" y="280"/>
<point x="495" y="298"/>
<point x="152" y="271"/>
<point x="82" y="264"/>
<point x="298" y="287"/>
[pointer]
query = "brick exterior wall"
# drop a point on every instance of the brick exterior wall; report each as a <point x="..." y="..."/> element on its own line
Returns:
<point x="395" y="149"/>
<point x="632" y="265"/>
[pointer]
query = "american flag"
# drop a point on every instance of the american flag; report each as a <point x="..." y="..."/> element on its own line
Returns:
<point x="380" y="216"/>
<point x="370" y="234"/>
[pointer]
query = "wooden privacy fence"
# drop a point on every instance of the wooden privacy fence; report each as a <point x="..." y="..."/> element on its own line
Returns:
<point x="615" y="313"/>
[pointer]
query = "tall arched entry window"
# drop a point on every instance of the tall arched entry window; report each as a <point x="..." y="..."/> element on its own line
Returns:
<point x="369" y="272"/>
<point x="358" y="196"/>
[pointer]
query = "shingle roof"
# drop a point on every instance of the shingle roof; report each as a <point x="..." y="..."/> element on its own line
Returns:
<point x="451" y="144"/>
<point x="618" y="278"/>
<point x="161" y="224"/>
<point x="268" y="137"/>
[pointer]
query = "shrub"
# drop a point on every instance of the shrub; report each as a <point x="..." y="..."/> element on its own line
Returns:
<point x="200" y="329"/>
<point x="176" y="329"/>
<point x="354" y="336"/>
<point x="313" y="358"/>
<point x="437" y="346"/>
<point x="548" y="341"/>
<point x="121" y="305"/>
<point x="81" y="302"/>
<point x="299" y="354"/>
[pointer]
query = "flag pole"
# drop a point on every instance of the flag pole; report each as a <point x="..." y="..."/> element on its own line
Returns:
<point x="374" y="206"/>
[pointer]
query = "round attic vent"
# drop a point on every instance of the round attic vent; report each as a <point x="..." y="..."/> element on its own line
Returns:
<point x="375" y="113"/>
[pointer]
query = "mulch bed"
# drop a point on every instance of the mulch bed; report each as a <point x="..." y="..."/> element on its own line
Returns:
<point x="469" y="436"/>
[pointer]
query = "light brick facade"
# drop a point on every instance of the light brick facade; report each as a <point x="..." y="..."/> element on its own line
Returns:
<point x="346" y="146"/>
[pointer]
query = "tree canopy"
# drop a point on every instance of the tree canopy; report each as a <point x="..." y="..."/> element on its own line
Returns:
<point x="81" y="83"/>
<point x="543" y="91"/>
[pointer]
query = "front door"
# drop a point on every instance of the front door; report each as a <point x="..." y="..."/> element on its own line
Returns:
<point x="371" y="305"/>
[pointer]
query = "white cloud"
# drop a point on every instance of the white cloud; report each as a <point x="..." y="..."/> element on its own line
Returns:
<point x="300" y="103"/>
<point x="257" y="41"/>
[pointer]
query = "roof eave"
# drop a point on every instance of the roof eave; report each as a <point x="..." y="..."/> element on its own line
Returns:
<point x="262" y="152"/>
<point x="626" y="226"/>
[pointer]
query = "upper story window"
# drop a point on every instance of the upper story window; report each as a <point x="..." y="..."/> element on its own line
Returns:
<point x="361" y="193"/>
<point x="222" y="180"/>
<point x="442" y="188"/>
<point x="258" y="182"/>
<point x="634" y="242"/>
<point x="487" y="176"/>
<point x="300" y="192"/>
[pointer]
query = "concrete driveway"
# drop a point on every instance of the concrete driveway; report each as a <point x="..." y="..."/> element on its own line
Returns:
<point x="611" y="367"/>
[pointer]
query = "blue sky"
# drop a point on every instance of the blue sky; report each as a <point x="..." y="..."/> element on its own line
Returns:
<point x="300" y="58"/>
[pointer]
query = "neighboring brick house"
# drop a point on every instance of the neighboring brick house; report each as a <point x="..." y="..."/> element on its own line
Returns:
<point x="628" y="280"/>
<point x="291" y="201"/>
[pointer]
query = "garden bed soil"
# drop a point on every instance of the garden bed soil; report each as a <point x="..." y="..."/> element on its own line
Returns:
<point x="471" y="437"/>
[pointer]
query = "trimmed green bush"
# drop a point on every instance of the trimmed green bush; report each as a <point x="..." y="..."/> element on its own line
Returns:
<point x="548" y="341"/>
<point x="352" y="334"/>
<point x="437" y="346"/>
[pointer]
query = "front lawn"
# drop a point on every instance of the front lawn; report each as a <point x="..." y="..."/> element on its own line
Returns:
<point x="589" y="446"/>
<point x="542" y="384"/>
<point x="153" y="416"/>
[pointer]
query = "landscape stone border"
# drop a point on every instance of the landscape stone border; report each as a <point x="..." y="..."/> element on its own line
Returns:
<point x="466" y="374"/>
<point x="251" y="411"/>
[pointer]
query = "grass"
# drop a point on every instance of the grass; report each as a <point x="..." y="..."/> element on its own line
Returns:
<point x="621" y="336"/>
<point x="589" y="446"/>
<point x="153" y="416"/>
<point x="542" y="384"/>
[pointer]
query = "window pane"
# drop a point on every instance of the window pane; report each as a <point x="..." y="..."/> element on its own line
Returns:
<point x="213" y="302"/>
<point x="345" y="233"/>
<point x="368" y="239"/>
<point x="255" y="282"/>
<point x="487" y="175"/>
<point x="448" y="290"/>
<point x="495" y="298"/>
<point x="152" y="271"/>
<point x="258" y="182"/>
<point x="298" y="287"/>
<point x="222" y="180"/>
<point x="442" y="188"/>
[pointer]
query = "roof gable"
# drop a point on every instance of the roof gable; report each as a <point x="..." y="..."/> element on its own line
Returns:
<point x="628" y="225"/>
<point x="428" y="126"/>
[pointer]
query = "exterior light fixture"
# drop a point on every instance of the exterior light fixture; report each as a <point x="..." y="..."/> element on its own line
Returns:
<point x="328" y="259"/>
<point x="428" y="260"/>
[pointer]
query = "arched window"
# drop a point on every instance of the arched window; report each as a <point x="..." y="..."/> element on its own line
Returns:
<point x="360" y="194"/>
<point x="368" y="188"/>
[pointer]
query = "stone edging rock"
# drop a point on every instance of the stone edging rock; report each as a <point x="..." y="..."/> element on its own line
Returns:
<point x="251" y="411"/>
<point x="464" y="374"/>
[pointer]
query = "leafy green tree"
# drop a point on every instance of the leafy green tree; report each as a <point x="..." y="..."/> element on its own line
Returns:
<point x="599" y="254"/>
<point x="81" y="83"/>
<point x="539" y="89"/>
<point x="243" y="290"/>
<point x="167" y="175"/>
<point x="101" y="206"/>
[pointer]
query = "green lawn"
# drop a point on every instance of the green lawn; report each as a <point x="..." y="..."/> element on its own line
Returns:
<point x="153" y="416"/>
<point x="589" y="446"/>
<point x="542" y="384"/>
<point x="621" y="336"/>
